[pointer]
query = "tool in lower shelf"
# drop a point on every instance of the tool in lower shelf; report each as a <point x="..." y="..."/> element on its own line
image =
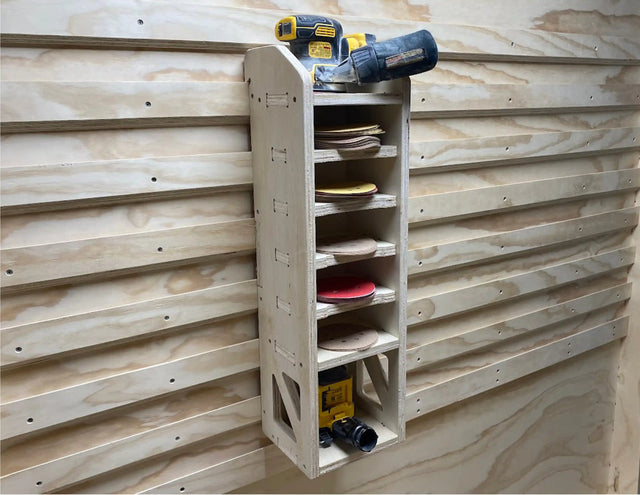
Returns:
<point x="336" y="420"/>
<point x="334" y="59"/>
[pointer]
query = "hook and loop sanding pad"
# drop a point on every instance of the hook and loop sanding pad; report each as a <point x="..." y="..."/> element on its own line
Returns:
<point x="345" y="247"/>
<point x="346" y="288"/>
<point x="342" y="337"/>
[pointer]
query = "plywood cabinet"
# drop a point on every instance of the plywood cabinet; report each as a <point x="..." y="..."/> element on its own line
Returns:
<point x="289" y="221"/>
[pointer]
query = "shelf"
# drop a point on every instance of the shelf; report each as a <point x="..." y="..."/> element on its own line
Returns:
<point x="340" y="453"/>
<point x="324" y="260"/>
<point x="373" y="202"/>
<point x="324" y="156"/>
<point x="330" y="359"/>
<point x="321" y="99"/>
<point x="383" y="295"/>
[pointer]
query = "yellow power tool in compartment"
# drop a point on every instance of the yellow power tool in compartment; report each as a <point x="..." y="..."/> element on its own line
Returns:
<point x="336" y="410"/>
<point x="318" y="41"/>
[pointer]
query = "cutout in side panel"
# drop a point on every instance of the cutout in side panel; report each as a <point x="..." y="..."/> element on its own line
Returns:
<point x="280" y="414"/>
<point x="293" y="388"/>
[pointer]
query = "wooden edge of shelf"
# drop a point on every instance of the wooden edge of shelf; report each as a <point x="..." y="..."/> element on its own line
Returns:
<point x="335" y="155"/>
<point x="321" y="99"/>
<point x="324" y="260"/>
<point x="376" y="201"/>
<point x="330" y="359"/>
<point x="383" y="295"/>
<point x="339" y="453"/>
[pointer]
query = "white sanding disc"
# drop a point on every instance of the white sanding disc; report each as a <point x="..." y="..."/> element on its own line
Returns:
<point x="347" y="246"/>
<point x="346" y="337"/>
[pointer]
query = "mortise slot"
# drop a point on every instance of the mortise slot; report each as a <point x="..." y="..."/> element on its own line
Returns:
<point x="277" y="100"/>
<point x="281" y="207"/>
<point x="279" y="155"/>
<point x="282" y="257"/>
<point x="283" y="305"/>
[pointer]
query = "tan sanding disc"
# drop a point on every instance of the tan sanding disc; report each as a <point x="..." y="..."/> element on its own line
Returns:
<point x="346" y="337"/>
<point x="343" y="246"/>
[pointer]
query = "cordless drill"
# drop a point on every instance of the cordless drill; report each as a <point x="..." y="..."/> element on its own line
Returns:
<point x="334" y="59"/>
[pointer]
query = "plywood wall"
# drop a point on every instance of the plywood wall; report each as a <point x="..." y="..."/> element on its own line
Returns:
<point x="129" y="351"/>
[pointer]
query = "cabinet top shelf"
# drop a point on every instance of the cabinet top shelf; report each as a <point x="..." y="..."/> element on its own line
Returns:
<point x="327" y="99"/>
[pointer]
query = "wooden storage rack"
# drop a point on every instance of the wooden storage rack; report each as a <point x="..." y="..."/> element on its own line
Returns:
<point x="284" y="111"/>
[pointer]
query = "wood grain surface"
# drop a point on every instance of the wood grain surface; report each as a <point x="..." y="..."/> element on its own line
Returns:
<point x="129" y="330"/>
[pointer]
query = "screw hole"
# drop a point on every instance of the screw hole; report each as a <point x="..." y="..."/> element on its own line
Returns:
<point x="18" y="349"/>
<point x="591" y="97"/>
<point x="29" y="420"/>
<point x="423" y="100"/>
<point x="140" y="21"/>
<point x="422" y="156"/>
<point x="9" y="272"/>
<point x="147" y="103"/>
<point x="294" y="99"/>
<point x="154" y="179"/>
<point x="419" y="263"/>
<point x="177" y="438"/>
<point x="419" y="313"/>
<point x="418" y="359"/>
<point x="510" y="100"/>
<point x="513" y="43"/>
<point x="166" y="317"/>
<point x="38" y="483"/>
<point x="501" y="247"/>
<point x="172" y="380"/>
<point x="507" y="148"/>
<point x="182" y="489"/>
<point x="500" y="291"/>
<point x="504" y="198"/>
<point x="160" y="249"/>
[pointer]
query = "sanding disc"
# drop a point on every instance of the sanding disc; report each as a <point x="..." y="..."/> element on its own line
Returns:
<point x="344" y="289"/>
<point x="347" y="189"/>
<point x="346" y="337"/>
<point x="347" y="246"/>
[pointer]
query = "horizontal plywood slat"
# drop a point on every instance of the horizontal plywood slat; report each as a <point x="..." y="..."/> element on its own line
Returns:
<point x="429" y="100"/>
<point x="456" y="345"/>
<point x="67" y="106"/>
<point x="87" y="463"/>
<point x="228" y="475"/>
<point x="148" y="24"/>
<point x="59" y="406"/>
<point x="447" y="255"/>
<point x="448" y="303"/>
<point x="475" y="202"/>
<point x="433" y="155"/>
<point x="510" y="369"/>
<point x="23" y="343"/>
<point x="66" y="260"/>
<point x="38" y="187"/>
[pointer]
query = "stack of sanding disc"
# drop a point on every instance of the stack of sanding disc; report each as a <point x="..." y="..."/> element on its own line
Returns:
<point x="354" y="137"/>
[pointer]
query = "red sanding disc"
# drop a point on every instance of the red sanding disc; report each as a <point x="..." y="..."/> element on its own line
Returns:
<point x="344" y="289"/>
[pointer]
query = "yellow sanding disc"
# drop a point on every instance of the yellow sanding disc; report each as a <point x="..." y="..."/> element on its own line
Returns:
<point x="348" y="189"/>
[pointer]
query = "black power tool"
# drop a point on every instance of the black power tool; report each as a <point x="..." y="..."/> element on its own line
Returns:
<point x="334" y="59"/>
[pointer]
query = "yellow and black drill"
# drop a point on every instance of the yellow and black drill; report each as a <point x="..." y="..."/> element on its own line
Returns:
<point x="334" y="59"/>
<point x="335" y="401"/>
